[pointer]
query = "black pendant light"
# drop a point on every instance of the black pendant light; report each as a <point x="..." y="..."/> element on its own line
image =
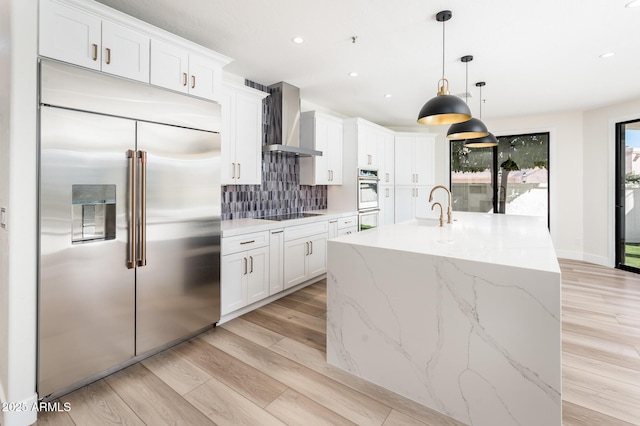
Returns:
<point x="444" y="108"/>
<point x="472" y="128"/>
<point x="485" y="141"/>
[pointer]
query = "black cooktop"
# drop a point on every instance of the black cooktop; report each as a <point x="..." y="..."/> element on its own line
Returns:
<point x="289" y="216"/>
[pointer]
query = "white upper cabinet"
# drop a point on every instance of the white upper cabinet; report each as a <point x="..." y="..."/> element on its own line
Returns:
<point x="415" y="159"/>
<point x="169" y="66"/>
<point x="241" y="135"/>
<point x="323" y="133"/>
<point x="91" y="35"/>
<point x="368" y="147"/>
<point x="176" y="69"/>
<point x="70" y="35"/>
<point x="387" y="160"/>
<point x="125" y="52"/>
<point x="83" y="39"/>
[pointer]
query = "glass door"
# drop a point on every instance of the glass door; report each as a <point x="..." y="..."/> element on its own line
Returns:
<point x="511" y="178"/>
<point x="627" y="194"/>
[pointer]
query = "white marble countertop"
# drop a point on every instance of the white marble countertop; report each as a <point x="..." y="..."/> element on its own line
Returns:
<point x="520" y="241"/>
<point x="244" y="226"/>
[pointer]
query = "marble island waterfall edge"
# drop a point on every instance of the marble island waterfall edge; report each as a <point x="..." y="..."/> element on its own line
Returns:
<point x="477" y="341"/>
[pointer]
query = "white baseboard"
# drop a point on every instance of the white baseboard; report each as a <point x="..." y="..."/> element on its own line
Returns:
<point x="598" y="260"/>
<point x="20" y="413"/>
<point x="571" y="255"/>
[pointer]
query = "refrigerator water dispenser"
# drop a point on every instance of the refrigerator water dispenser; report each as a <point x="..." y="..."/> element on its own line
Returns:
<point x="93" y="213"/>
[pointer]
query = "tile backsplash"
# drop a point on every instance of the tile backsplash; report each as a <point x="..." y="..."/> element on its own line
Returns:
<point x="280" y="191"/>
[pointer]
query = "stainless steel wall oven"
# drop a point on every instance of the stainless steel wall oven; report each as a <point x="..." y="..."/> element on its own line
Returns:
<point x="368" y="198"/>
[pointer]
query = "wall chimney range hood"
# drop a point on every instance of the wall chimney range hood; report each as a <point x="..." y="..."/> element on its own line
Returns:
<point x="283" y="134"/>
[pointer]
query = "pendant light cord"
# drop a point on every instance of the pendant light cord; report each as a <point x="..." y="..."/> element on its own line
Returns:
<point x="466" y="84"/>
<point x="481" y="103"/>
<point x="443" y="49"/>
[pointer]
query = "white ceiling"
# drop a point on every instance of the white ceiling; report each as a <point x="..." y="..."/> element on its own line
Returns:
<point x="536" y="56"/>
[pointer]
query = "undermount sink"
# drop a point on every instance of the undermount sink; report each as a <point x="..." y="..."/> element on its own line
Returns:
<point x="428" y="221"/>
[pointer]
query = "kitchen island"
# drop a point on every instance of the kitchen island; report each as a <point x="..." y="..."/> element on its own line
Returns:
<point x="464" y="319"/>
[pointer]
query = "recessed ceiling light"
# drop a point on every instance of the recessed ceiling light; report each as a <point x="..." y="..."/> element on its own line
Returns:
<point x="297" y="40"/>
<point x="353" y="74"/>
<point x="607" y="55"/>
<point x="634" y="3"/>
<point x="387" y="95"/>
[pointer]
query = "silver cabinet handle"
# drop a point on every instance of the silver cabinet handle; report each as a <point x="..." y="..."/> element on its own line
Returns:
<point x="348" y="221"/>
<point x="133" y="172"/>
<point x="387" y="176"/>
<point x="245" y="266"/>
<point x="311" y="245"/>
<point x="368" y="158"/>
<point x="277" y="232"/>
<point x="184" y="79"/>
<point x="108" y="56"/>
<point x="193" y="81"/>
<point x="328" y="175"/>
<point x="417" y="178"/>
<point x="142" y="261"/>
<point x="247" y="242"/>
<point x="251" y="258"/>
<point x="386" y="192"/>
<point x="307" y="248"/>
<point x="417" y="192"/>
<point x="233" y="169"/>
<point x="239" y="170"/>
<point x="95" y="52"/>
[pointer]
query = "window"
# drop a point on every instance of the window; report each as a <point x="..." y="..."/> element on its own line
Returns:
<point x="512" y="178"/>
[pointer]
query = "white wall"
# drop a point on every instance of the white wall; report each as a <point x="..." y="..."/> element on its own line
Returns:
<point x="18" y="68"/>
<point x="599" y="182"/>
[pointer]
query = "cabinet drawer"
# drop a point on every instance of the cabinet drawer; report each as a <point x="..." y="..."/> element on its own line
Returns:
<point x="302" y="231"/>
<point x="347" y="222"/>
<point x="244" y="242"/>
<point x="347" y="231"/>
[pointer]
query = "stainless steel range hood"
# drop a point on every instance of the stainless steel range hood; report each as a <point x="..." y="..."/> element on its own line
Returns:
<point x="284" y="124"/>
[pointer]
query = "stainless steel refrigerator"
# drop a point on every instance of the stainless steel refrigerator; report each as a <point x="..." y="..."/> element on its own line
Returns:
<point x="129" y="223"/>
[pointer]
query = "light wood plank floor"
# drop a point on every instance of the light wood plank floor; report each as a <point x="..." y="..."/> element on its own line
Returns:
<point x="268" y="368"/>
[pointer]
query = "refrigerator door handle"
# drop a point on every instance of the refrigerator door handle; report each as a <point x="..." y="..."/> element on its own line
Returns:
<point x="133" y="169"/>
<point x="142" y="261"/>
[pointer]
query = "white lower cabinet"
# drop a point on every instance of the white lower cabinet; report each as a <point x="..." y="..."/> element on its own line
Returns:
<point x="333" y="228"/>
<point x="305" y="252"/>
<point x="244" y="271"/>
<point x="347" y="225"/>
<point x="276" y="261"/>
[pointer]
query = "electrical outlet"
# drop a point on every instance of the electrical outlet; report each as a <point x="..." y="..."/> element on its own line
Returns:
<point x="3" y="218"/>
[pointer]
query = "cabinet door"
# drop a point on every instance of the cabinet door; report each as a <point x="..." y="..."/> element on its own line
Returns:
<point x="404" y="200"/>
<point x="367" y="147"/>
<point x="387" y="158"/>
<point x="404" y="174"/>
<point x="334" y="147"/>
<point x="295" y="253"/>
<point x="422" y="206"/>
<point x="322" y="171"/>
<point x="424" y="160"/>
<point x="248" y="139"/>
<point x="205" y="77"/>
<point x="387" y="205"/>
<point x="233" y="277"/>
<point x="317" y="258"/>
<point x="169" y="66"/>
<point x="333" y="228"/>
<point x="125" y="52"/>
<point x="258" y="276"/>
<point x="276" y="261"/>
<point x="227" y="135"/>
<point x="69" y="35"/>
